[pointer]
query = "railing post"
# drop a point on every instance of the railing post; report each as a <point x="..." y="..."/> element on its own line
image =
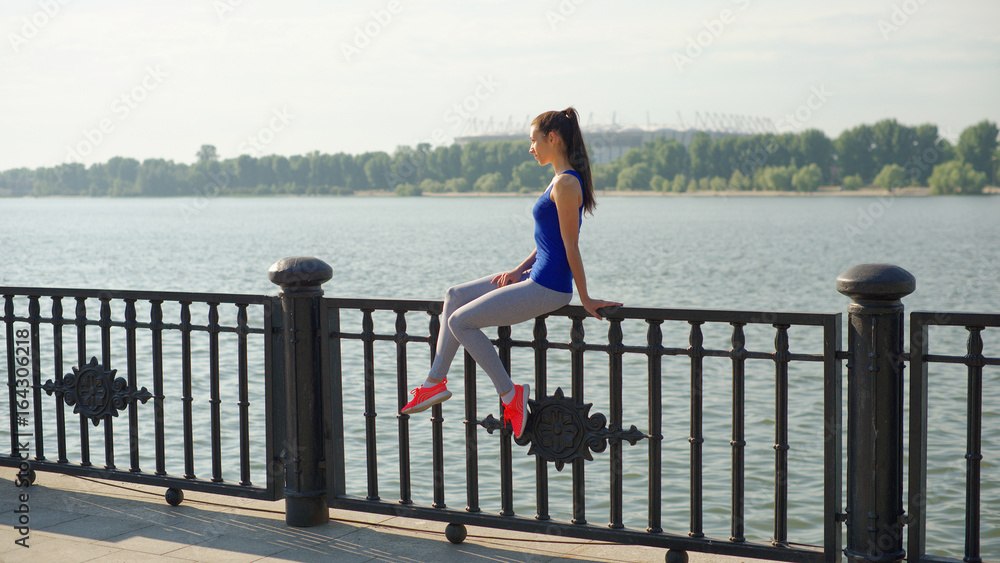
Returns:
<point x="301" y="280"/>
<point x="875" y="411"/>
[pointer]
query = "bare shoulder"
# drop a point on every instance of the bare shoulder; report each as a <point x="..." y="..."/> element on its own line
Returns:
<point x="566" y="188"/>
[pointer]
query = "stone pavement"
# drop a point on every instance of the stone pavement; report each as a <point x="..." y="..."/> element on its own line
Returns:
<point x="81" y="519"/>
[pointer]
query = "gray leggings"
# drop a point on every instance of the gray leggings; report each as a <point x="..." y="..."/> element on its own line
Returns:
<point x="471" y="306"/>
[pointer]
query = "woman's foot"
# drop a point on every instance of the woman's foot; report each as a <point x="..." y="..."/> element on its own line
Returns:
<point x="516" y="411"/>
<point x="426" y="397"/>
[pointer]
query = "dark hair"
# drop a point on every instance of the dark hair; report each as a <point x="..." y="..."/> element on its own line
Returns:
<point x="566" y="124"/>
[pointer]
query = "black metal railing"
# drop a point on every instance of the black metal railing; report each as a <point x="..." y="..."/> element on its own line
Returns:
<point x="235" y="394"/>
<point x="559" y="412"/>
<point x="182" y="353"/>
<point x="920" y="381"/>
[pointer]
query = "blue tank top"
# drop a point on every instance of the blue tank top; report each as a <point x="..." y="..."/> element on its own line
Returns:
<point x="551" y="267"/>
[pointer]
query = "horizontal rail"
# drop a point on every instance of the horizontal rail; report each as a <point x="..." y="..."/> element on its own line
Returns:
<point x="610" y="313"/>
<point x="560" y="528"/>
<point x="143" y="478"/>
<point x="178" y="296"/>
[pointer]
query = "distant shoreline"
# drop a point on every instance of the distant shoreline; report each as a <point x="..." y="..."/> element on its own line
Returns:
<point x="834" y="192"/>
<point x="867" y="192"/>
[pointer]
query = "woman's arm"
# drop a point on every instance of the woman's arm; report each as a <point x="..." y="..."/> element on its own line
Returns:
<point x="568" y="197"/>
<point x="515" y="275"/>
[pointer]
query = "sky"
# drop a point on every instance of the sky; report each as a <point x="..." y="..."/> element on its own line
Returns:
<point x="84" y="81"/>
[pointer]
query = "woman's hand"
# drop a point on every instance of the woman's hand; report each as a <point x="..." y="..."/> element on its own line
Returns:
<point x="508" y="278"/>
<point x="592" y="305"/>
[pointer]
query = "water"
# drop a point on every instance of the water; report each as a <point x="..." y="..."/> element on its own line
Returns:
<point x="758" y="253"/>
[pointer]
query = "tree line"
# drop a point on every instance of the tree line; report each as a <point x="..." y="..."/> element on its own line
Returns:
<point x="886" y="154"/>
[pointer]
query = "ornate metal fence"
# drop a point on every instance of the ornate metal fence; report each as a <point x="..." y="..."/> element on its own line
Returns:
<point x="920" y="380"/>
<point x="225" y="393"/>
<point x="563" y="431"/>
<point x="195" y="368"/>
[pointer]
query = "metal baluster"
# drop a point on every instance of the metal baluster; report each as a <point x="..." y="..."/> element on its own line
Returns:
<point x="156" y="330"/>
<point x="336" y="461"/>
<point x="36" y="375"/>
<point x="738" y="443"/>
<point x="437" y="445"/>
<point x="242" y="329"/>
<point x="81" y="359"/>
<point x="654" y="342"/>
<point x="696" y="353"/>
<point x="367" y="334"/>
<point x="133" y="414"/>
<point x="186" y="398"/>
<point x="471" y="437"/>
<point x="576" y="374"/>
<point x="57" y="365"/>
<point x="540" y="344"/>
<point x="215" y="401"/>
<point x="615" y="385"/>
<point x="974" y="443"/>
<point x="11" y="374"/>
<point x="506" y="456"/>
<point x="105" y="324"/>
<point x="404" y="419"/>
<point x="781" y="358"/>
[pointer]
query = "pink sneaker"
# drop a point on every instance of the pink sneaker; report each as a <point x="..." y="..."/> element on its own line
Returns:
<point x="426" y="397"/>
<point x="516" y="411"/>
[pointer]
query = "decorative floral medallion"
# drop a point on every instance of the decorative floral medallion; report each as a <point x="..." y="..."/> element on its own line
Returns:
<point x="561" y="430"/>
<point x="95" y="392"/>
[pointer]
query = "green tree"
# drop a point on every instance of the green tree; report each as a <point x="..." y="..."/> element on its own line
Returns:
<point x="927" y="152"/>
<point x="739" y="181"/>
<point x="207" y="154"/>
<point x="605" y="176"/>
<point x="408" y="190"/>
<point x="431" y="186"/>
<point x="852" y="182"/>
<point x="778" y="178"/>
<point x="457" y="185"/>
<point x="659" y="183"/>
<point x="490" y="182"/>
<point x="808" y="178"/>
<point x="956" y="177"/>
<point x="668" y="158"/>
<point x="473" y="159"/>
<point x="679" y="183"/>
<point x="635" y="177"/>
<point x="699" y="155"/>
<point x="891" y="177"/>
<point x="977" y="144"/>
<point x="530" y="175"/>
<point x="815" y="147"/>
<point x="377" y="172"/>
<point x="632" y="157"/>
<point x="892" y="143"/>
<point x="718" y="184"/>
<point x="854" y="152"/>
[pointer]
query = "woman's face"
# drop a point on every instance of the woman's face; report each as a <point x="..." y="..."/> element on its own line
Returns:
<point x="542" y="146"/>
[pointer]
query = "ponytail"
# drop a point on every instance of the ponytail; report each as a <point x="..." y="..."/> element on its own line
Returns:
<point x="566" y="124"/>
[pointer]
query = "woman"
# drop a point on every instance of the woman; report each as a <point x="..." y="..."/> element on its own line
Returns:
<point x="540" y="284"/>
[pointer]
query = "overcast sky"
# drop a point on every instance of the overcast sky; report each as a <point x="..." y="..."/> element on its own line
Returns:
<point x="86" y="80"/>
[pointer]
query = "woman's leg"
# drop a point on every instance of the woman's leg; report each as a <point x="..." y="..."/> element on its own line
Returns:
<point x="506" y="306"/>
<point x="447" y="344"/>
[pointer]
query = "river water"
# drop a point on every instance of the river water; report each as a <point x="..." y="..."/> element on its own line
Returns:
<point x="744" y="253"/>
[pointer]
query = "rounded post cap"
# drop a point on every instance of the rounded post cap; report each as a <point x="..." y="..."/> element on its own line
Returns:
<point x="299" y="272"/>
<point x="876" y="282"/>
